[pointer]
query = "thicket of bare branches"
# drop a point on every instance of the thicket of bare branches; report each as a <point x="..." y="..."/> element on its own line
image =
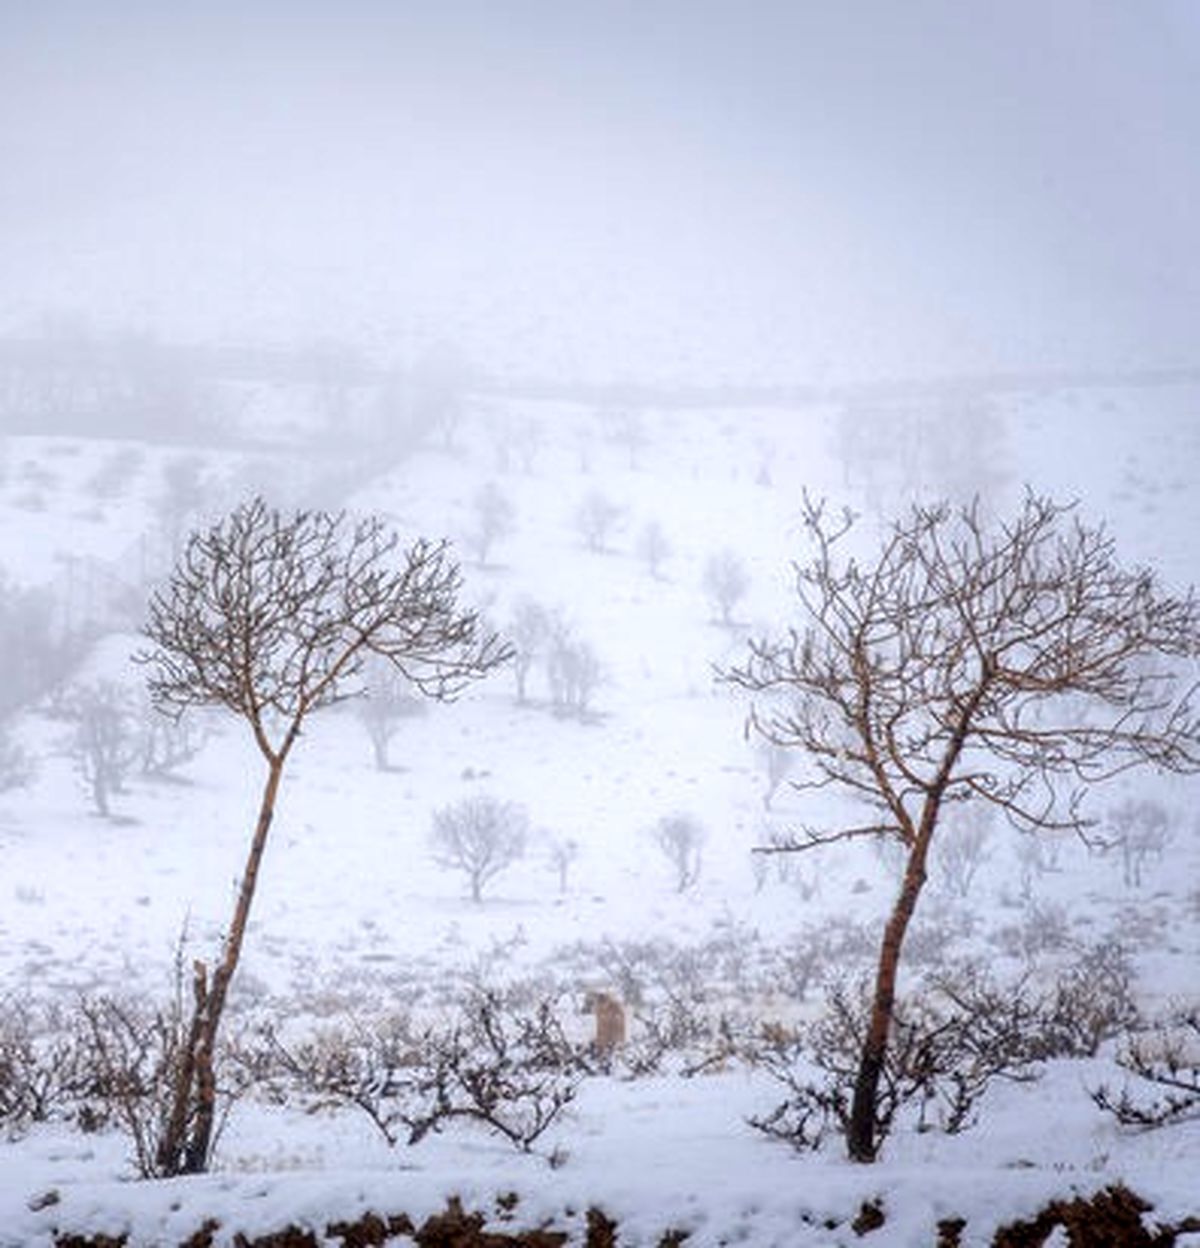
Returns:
<point x="948" y="1042"/>
<point x="1012" y="665"/>
<point x="500" y="1061"/>
<point x="1164" y="1062"/>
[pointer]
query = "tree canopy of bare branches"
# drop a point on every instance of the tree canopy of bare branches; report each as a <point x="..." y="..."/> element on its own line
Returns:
<point x="1014" y="666"/>
<point x="272" y="617"/>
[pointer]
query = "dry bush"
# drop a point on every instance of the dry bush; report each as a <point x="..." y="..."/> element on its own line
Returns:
<point x="949" y="1042"/>
<point x="136" y="1055"/>
<point x="42" y="1076"/>
<point x="501" y="1062"/>
<point x="1165" y="1061"/>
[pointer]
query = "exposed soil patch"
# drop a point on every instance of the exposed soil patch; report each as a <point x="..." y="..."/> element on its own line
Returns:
<point x="1112" y="1218"/>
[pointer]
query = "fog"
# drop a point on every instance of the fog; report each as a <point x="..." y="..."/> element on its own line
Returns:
<point x="709" y="192"/>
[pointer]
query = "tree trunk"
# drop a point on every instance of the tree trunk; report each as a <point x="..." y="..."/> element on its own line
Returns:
<point x="860" y="1130"/>
<point x="100" y="794"/>
<point x="199" y="1087"/>
<point x="379" y="744"/>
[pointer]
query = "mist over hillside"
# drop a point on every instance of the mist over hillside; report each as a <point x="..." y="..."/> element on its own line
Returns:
<point x="696" y="193"/>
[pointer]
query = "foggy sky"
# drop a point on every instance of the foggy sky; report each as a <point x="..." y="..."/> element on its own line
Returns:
<point x="683" y="189"/>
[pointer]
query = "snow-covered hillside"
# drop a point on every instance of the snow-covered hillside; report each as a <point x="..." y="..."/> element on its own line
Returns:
<point x="355" y="919"/>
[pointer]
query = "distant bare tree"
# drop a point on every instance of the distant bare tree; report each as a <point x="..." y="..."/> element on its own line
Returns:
<point x="480" y="836"/>
<point x="494" y="519"/>
<point x="962" y="850"/>
<point x="105" y="741"/>
<point x="39" y="647"/>
<point x="627" y="427"/>
<point x="653" y="547"/>
<point x="1013" y="667"/>
<point x="165" y="744"/>
<point x="681" y="838"/>
<point x="573" y="670"/>
<point x="778" y="762"/>
<point x="1141" y="829"/>
<point x="726" y="582"/>
<point x="272" y="617"/>
<point x="17" y="766"/>
<point x="184" y="496"/>
<point x="528" y="630"/>
<point x="563" y="854"/>
<point x="388" y="701"/>
<point x="595" y="519"/>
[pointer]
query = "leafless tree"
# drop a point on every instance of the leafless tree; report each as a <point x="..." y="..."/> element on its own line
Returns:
<point x="563" y="854"/>
<point x="494" y="519"/>
<point x="1140" y="829"/>
<point x="595" y="518"/>
<point x="105" y="742"/>
<point x="389" y="700"/>
<point x="38" y="643"/>
<point x="681" y="838"/>
<point x="778" y="762"/>
<point x="183" y="498"/>
<point x="573" y="671"/>
<point x="963" y="664"/>
<point x="480" y="836"/>
<point x="17" y="766"/>
<point x="725" y="581"/>
<point x="627" y="427"/>
<point x="963" y="848"/>
<point x="653" y="547"/>
<point x="165" y="744"/>
<point x="272" y="617"/>
<point x="529" y="628"/>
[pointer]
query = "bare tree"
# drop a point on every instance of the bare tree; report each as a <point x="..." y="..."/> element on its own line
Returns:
<point x="183" y="498"/>
<point x="681" y="838"/>
<point x="389" y="699"/>
<point x="962" y="850"/>
<point x="166" y="744"/>
<point x="528" y="629"/>
<point x="17" y="766"/>
<point x="494" y="519"/>
<point x="1140" y="829"/>
<point x="653" y="547"/>
<point x="272" y="617"/>
<point x="1010" y="667"/>
<point x="725" y="581"/>
<point x="595" y="518"/>
<point x="778" y="762"/>
<point x="627" y="427"/>
<point x="105" y="741"/>
<point x="480" y="836"/>
<point x="563" y="854"/>
<point x="573" y="671"/>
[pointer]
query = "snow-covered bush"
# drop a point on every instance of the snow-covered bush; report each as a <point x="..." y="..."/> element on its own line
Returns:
<point x="500" y="1061"/>
<point x="949" y="1041"/>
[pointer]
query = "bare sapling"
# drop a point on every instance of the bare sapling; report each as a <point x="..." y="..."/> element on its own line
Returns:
<point x="273" y="617"/>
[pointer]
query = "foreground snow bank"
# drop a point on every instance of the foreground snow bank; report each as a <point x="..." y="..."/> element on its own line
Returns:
<point x="655" y="1155"/>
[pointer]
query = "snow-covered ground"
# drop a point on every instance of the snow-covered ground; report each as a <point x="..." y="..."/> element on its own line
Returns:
<point x="351" y="906"/>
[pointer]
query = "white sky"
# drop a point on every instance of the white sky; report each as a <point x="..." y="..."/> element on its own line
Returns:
<point x="765" y="189"/>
